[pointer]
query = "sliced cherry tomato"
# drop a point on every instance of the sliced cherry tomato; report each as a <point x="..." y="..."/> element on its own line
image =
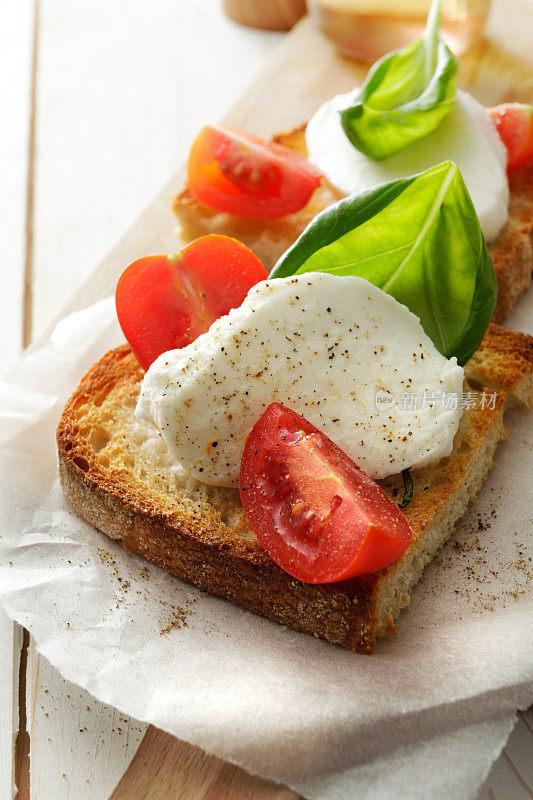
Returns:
<point x="514" y="123"/>
<point x="165" y="302"/>
<point x="317" y="514"/>
<point x="246" y="176"/>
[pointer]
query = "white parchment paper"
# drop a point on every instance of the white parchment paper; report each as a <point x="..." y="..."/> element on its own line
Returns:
<point x="435" y="703"/>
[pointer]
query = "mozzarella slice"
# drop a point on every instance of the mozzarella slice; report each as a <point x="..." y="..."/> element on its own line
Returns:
<point x="330" y="348"/>
<point x="466" y="136"/>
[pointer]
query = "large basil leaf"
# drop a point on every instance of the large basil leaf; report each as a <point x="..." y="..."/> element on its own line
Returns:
<point x="419" y="240"/>
<point x="405" y="96"/>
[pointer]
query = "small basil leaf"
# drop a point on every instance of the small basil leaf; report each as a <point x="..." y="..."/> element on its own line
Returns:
<point x="408" y="488"/>
<point x="418" y="239"/>
<point x="405" y="96"/>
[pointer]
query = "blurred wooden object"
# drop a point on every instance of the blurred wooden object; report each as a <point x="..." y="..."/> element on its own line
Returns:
<point x="165" y="768"/>
<point x="273" y="15"/>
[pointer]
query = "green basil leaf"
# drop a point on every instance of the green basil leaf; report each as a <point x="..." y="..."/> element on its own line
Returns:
<point x="405" y="96"/>
<point x="418" y="239"/>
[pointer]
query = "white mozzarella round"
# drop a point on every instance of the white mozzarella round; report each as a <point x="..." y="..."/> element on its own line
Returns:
<point x="466" y="136"/>
<point x="337" y="350"/>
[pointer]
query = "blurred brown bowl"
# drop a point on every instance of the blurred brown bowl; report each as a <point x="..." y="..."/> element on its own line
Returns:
<point x="272" y="15"/>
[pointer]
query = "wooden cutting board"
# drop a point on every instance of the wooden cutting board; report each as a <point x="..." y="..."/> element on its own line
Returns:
<point x="304" y="73"/>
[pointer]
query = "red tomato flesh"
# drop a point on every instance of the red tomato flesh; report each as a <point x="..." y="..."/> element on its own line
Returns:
<point x="318" y="515"/>
<point x="514" y="123"/>
<point x="166" y="302"/>
<point x="243" y="175"/>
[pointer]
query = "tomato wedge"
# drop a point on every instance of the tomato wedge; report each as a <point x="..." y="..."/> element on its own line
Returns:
<point x="316" y="513"/>
<point x="243" y="175"/>
<point x="514" y="123"/>
<point x="165" y="302"/>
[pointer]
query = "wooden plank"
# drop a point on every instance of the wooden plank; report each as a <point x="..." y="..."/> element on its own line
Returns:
<point x="80" y="747"/>
<point x="519" y="749"/>
<point x="10" y="642"/>
<point x="16" y="63"/>
<point x="165" y="767"/>
<point x="107" y="138"/>
<point x="99" y="160"/>
<point x="276" y="101"/>
<point x="511" y="777"/>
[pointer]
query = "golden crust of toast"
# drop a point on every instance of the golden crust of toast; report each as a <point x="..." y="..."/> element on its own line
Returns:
<point x="117" y="474"/>
<point x="512" y="252"/>
<point x="504" y="360"/>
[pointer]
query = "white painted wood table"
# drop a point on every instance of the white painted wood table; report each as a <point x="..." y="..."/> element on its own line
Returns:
<point x="101" y="99"/>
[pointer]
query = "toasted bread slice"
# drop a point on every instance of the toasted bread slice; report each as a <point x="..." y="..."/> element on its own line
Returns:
<point x="118" y="474"/>
<point x="512" y="252"/>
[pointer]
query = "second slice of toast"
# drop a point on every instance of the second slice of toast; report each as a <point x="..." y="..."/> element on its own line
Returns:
<point x="512" y="252"/>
